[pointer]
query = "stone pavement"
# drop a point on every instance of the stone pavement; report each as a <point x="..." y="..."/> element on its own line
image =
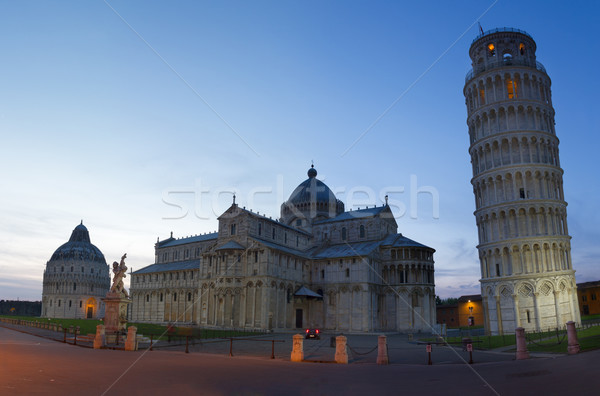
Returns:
<point x="35" y="365"/>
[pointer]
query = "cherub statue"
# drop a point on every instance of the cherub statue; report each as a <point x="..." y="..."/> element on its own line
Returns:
<point x="119" y="270"/>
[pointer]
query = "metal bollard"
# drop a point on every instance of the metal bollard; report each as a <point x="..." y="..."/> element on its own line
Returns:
<point x="186" y="344"/>
<point x="231" y="347"/>
<point x="151" y="339"/>
<point x="470" y="349"/>
<point x="272" y="349"/>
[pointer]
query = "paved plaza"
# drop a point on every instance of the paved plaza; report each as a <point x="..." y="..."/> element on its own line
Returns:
<point x="36" y="365"/>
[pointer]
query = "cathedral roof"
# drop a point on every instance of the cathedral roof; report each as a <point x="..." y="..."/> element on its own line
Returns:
<point x="312" y="190"/>
<point x="355" y="214"/>
<point x="79" y="247"/>
<point x="182" y="241"/>
<point x="175" y="266"/>
<point x="312" y="199"/>
<point x="398" y="240"/>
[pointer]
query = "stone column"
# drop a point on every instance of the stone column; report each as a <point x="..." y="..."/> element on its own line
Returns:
<point x="131" y="342"/>
<point x="382" y="355"/>
<point x="499" y="316"/>
<point x="572" y="293"/>
<point x="536" y="307"/>
<point x="100" y="340"/>
<point x="573" y="344"/>
<point x="298" y="348"/>
<point x="341" y="354"/>
<point x="557" y="307"/>
<point x="522" y="352"/>
<point x="517" y="314"/>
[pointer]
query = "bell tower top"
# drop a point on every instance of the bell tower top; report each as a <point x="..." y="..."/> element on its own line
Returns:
<point x="502" y="47"/>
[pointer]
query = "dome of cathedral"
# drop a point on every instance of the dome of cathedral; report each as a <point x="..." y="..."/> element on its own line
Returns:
<point x="311" y="199"/>
<point x="79" y="247"/>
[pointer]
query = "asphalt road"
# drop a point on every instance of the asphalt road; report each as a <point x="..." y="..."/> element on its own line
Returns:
<point x="34" y="365"/>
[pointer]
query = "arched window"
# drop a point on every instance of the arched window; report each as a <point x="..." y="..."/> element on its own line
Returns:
<point x="511" y="88"/>
<point x="522" y="49"/>
<point x="82" y="269"/>
<point x="174" y="296"/>
<point x="344" y="233"/>
<point x="233" y="229"/>
<point x="74" y="286"/>
<point x="62" y="269"/>
<point x="189" y="296"/>
<point x="71" y="268"/>
<point x="147" y="298"/>
<point x="362" y="231"/>
<point x="507" y="58"/>
<point x="259" y="228"/>
<point x="273" y="232"/>
<point x="161" y="297"/>
<point x="347" y="272"/>
<point x="491" y="49"/>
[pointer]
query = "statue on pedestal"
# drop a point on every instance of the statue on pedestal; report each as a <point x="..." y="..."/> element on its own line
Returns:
<point x="115" y="315"/>
<point x="119" y="270"/>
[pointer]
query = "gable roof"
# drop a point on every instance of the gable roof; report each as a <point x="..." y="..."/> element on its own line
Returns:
<point x="285" y="249"/>
<point x="191" y="239"/>
<point x="176" y="266"/>
<point x="231" y="245"/>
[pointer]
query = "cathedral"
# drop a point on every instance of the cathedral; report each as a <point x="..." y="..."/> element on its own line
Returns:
<point x="76" y="279"/>
<point x="316" y="266"/>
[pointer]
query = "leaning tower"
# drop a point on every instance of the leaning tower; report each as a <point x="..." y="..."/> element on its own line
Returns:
<point x="527" y="278"/>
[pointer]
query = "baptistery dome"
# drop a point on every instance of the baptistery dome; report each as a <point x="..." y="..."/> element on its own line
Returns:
<point x="75" y="279"/>
<point x="312" y="200"/>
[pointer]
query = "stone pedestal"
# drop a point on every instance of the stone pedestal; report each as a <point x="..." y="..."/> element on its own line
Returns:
<point x="131" y="342"/>
<point x="522" y="352"/>
<point x="382" y="355"/>
<point x="341" y="354"/>
<point x="298" y="348"/>
<point x="573" y="343"/>
<point x="115" y="312"/>
<point x="100" y="340"/>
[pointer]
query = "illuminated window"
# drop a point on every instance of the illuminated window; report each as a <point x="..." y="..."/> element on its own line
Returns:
<point x="511" y="88"/>
<point x="492" y="49"/>
<point x="522" y="49"/>
<point x="481" y="97"/>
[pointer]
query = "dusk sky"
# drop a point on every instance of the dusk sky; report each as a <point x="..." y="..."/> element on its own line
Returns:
<point x="141" y="118"/>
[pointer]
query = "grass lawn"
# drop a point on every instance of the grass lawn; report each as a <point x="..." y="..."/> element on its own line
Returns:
<point x="88" y="326"/>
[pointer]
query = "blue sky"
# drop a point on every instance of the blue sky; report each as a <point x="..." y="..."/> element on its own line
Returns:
<point x="112" y="110"/>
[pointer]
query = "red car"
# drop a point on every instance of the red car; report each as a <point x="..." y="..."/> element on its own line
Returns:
<point x="313" y="333"/>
